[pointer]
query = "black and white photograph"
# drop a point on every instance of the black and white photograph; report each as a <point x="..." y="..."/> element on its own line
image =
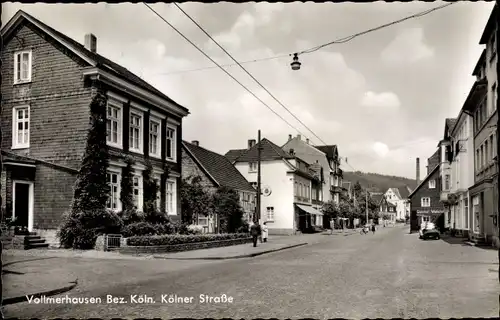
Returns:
<point x="250" y="160"/>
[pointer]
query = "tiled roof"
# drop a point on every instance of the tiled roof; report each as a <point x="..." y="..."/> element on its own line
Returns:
<point x="377" y="198"/>
<point x="106" y="64"/>
<point x="328" y="150"/>
<point x="404" y="192"/>
<point x="232" y="155"/>
<point x="269" y="151"/>
<point x="219" y="167"/>
<point x="423" y="181"/>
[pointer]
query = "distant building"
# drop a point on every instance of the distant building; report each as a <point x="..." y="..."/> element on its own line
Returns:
<point x="399" y="198"/>
<point x="287" y="205"/>
<point x="215" y="171"/>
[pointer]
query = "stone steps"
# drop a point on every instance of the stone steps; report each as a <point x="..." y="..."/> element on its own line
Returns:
<point x="26" y="242"/>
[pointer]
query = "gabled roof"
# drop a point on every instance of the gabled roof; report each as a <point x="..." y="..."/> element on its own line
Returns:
<point x="450" y="123"/>
<point x="479" y="63"/>
<point x="92" y="58"/>
<point x="269" y="152"/>
<point x="232" y="155"/>
<point x="331" y="151"/>
<point x="404" y="192"/>
<point x="218" y="167"/>
<point x="423" y="181"/>
<point x="490" y="26"/>
<point x="377" y="198"/>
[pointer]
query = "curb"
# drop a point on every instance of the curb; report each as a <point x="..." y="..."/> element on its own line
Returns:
<point x="39" y="294"/>
<point x="27" y="260"/>
<point x="251" y="255"/>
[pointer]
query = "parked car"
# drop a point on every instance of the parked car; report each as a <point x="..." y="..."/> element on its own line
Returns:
<point x="429" y="231"/>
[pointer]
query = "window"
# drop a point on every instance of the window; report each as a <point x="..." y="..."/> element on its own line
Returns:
<point x="432" y="184"/>
<point x="425" y="202"/>
<point x="270" y="213"/>
<point x="170" y="152"/>
<point x="486" y="152"/>
<point x="135" y="132"/>
<point x="252" y="167"/>
<point x="202" y="221"/>
<point x="481" y="156"/>
<point x="308" y="194"/>
<point x="22" y="67"/>
<point x="21" y="127"/>
<point x="113" y="179"/>
<point x="170" y="195"/>
<point x="477" y="160"/>
<point x="494" y="101"/>
<point x="466" y="213"/>
<point x="114" y="127"/>
<point x="447" y="182"/>
<point x="137" y="194"/>
<point x="154" y="138"/>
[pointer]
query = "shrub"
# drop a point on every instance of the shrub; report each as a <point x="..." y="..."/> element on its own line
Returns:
<point x="131" y="216"/>
<point x="157" y="217"/>
<point x="146" y="229"/>
<point x="68" y="230"/>
<point x="245" y="228"/>
<point x="185" y="229"/>
<point x="127" y="186"/>
<point x="181" y="239"/>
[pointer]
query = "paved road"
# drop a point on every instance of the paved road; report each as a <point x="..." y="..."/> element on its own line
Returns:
<point x="389" y="274"/>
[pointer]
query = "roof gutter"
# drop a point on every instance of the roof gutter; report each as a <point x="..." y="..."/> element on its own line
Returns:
<point x="98" y="74"/>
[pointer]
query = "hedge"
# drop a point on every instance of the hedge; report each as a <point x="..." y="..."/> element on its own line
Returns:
<point x="173" y="239"/>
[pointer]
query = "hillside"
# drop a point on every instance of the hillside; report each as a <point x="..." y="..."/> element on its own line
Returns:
<point x="378" y="182"/>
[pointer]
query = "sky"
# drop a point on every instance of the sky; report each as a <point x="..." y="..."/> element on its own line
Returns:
<point x="382" y="98"/>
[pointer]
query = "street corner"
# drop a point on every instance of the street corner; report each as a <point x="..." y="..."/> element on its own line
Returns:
<point x="24" y="282"/>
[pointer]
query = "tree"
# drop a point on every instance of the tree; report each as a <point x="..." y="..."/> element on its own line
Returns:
<point x="195" y="200"/>
<point x="150" y="189"/>
<point x="127" y="187"/>
<point x="91" y="190"/>
<point x="227" y="209"/>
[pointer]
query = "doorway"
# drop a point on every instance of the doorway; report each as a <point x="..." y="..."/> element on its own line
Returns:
<point x="22" y="198"/>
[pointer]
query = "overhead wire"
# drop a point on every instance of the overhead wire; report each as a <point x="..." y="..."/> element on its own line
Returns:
<point x="248" y="73"/>
<point x="218" y="65"/>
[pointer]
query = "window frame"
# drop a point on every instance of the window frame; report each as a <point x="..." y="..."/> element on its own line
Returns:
<point x="251" y="167"/>
<point x="140" y="115"/>
<point x="118" y="173"/>
<point x="30" y="66"/>
<point x="140" y="200"/>
<point x="118" y="105"/>
<point x="15" y="124"/>
<point x="272" y="217"/>
<point x="423" y="202"/>
<point x="156" y="120"/>
<point x="172" y="127"/>
<point x="174" y="197"/>
<point x="432" y="184"/>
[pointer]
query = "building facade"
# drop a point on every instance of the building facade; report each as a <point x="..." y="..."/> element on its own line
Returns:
<point x="481" y="105"/>
<point x="214" y="171"/>
<point x="399" y="198"/>
<point x="48" y="82"/>
<point x="287" y="205"/>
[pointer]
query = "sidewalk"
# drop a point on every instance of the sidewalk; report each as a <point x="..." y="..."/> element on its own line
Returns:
<point x="22" y="280"/>
<point x="275" y="243"/>
<point x="15" y="254"/>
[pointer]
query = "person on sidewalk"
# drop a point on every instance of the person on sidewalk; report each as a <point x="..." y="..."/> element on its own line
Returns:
<point x="332" y="226"/>
<point x="255" y="232"/>
<point x="373" y="228"/>
<point x="265" y="232"/>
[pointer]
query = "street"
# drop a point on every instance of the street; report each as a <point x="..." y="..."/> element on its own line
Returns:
<point x="391" y="274"/>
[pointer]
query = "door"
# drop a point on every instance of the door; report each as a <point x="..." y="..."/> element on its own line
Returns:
<point x="22" y="202"/>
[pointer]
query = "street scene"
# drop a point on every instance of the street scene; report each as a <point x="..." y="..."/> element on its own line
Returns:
<point x="250" y="160"/>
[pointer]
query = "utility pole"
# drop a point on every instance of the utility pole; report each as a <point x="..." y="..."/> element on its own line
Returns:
<point x="366" y="202"/>
<point x="259" y="148"/>
<point x="498" y="121"/>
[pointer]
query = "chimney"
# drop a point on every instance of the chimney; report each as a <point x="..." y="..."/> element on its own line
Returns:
<point x="299" y="136"/>
<point x="90" y="42"/>
<point x="307" y="141"/>
<point x="418" y="171"/>
<point x="196" y="143"/>
<point x="289" y="137"/>
<point x="251" y="143"/>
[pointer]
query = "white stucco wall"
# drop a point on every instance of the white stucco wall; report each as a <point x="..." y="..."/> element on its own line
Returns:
<point x="273" y="174"/>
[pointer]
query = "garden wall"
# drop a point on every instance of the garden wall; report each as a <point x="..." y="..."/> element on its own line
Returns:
<point x="183" y="247"/>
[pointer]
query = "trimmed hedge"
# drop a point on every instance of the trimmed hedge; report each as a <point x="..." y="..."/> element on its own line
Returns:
<point x="176" y="239"/>
<point x="147" y="229"/>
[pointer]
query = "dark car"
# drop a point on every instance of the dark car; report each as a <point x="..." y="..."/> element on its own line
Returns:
<point x="430" y="232"/>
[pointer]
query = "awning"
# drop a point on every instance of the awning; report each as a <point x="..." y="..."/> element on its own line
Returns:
<point x="309" y="210"/>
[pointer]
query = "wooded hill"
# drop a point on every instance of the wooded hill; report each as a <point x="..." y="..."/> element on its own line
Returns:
<point x="378" y="182"/>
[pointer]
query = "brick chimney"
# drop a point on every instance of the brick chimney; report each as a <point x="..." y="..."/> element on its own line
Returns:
<point x="289" y="137"/>
<point x="196" y="143"/>
<point x="251" y="143"/>
<point x="299" y="137"/>
<point x="91" y="42"/>
<point x="418" y="171"/>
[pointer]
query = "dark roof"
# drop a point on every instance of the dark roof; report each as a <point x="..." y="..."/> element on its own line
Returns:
<point x="480" y="63"/>
<point x="330" y="151"/>
<point x="423" y="181"/>
<point x="106" y="64"/>
<point x="476" y="93"/>
<point x="234" y="154"/>
<point x="404" y="192"/>
<point x="490" y="26"/>
<point x="377" y="198"/>
<point x="269" y="151"/>
<point x="218" y="167"/>
<point x="450" y="122"/>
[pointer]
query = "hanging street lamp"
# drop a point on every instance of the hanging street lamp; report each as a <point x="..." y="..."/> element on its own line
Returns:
<point x="295" y="63"/>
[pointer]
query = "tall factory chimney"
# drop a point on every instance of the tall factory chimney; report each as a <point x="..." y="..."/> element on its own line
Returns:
<point x="418" y="171"/>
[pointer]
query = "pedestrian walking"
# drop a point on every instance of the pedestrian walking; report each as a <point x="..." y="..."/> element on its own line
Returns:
<point x="265" y="232"/>
<point x="255" y="232"/>
<point x="373" y="228"/>
<point x="332" y="226"/>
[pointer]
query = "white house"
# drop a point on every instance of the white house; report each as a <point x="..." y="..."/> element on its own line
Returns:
<point x="399" y="198"/>
<point x="287" y="184"/>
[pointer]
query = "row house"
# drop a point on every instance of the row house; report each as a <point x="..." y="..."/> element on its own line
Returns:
<point x="48" y="81"/>
<point x="387" y="209"/>
<point x="481" y="106"/>
<point x="399" y="198"/>
<point x="214" y="171"/>
<point x="425" y="199"/>
<point x="288" y="183"/>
